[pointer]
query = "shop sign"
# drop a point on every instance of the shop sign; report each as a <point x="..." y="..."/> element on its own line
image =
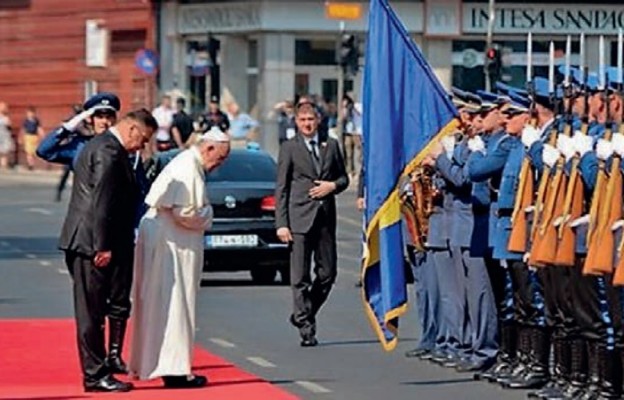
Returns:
<point x="546" y="18"/>
<point x="219" y="18"/>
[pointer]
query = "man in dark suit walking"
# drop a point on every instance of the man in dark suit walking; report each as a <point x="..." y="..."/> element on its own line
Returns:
<point x="311" y="171"/>
<point x="98" y="241"/>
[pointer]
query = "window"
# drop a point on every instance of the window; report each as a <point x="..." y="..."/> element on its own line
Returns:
<point x="468" y="61"/>
<point x="315" y="52"/>
<point x="245" y="166"/>
<point x="253" y="53"/>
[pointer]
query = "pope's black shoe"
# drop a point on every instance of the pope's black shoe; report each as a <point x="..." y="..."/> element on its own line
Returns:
<point x="107" y="384"/>
<point x="184" y="382"/>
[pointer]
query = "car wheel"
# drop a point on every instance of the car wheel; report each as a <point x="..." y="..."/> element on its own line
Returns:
<point x="285" y="275"/>
<point x="263" y="276"/>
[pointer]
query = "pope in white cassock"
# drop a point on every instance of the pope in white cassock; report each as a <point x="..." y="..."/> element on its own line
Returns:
<point x="168" y="263"/>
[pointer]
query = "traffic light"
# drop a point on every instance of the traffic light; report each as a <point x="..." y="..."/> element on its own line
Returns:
<point x="493" y="62"/>
<point x="349" y="54"/>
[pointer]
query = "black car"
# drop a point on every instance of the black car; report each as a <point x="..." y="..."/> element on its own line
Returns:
<point x="243" y="234"/>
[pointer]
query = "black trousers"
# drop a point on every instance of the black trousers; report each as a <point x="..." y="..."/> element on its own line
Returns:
<point x="558" y="292"/>
<point x="527" y="297"/>
<point x="319" y="243"/>
<point x="589" y="294"/>
<point x="98" y="292"/>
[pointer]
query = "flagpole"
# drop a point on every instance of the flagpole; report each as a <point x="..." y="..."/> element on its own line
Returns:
<point x="488" y="42"/>
<point x="341" y="78"/>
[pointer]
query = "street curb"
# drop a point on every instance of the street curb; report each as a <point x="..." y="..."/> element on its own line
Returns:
<point x="23" y="175"/>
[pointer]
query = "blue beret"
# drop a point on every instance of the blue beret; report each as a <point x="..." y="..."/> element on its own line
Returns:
<point x="103" y="101"/>
<point x="505" y="89"/>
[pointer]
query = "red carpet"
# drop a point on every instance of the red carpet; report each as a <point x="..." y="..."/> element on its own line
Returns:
<point x="39" y="360"/>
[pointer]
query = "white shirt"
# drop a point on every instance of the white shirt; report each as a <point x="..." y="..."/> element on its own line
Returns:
<point x="164" y="117"/>
<point x="309" y="145"/>
<point x="116" y="133"/>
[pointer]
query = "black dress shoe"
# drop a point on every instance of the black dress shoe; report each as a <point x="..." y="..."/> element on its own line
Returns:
<point x="475" y="365"/>
<point x="116" y="365"/>
<point x="417" y="352"/>
<point x="309" y="341"/>
<point x="107" y="384"/>
<point x="184" y="382"/>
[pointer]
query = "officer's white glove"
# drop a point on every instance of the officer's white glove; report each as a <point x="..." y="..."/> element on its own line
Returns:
<point x="582" y="143"/>
<point x="566" y="146"/>
<point x="604" y="149"/>
<point x="530" y="135"/>
<point x="618" y="144"/>
<point x="550" y="155"/>
<point x="76" y="120"/>
<point x="448" y="144"/>
<point x="476" y="144"/>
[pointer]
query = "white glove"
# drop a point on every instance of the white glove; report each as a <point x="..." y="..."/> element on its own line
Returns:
<point x="566" y="146"/>
<point x="582" y="143"/>
<point x="604" y="149"/>
<point x="476" y="144"/>
<point x="530" y="135"/>
<point x="76" y="120"/>
<point x="448" y="144"/>
<point x="550" y="155"/>
<point x="584" y="220"/>
<point x="618" y="144"/>
<point x="619" y="224"/>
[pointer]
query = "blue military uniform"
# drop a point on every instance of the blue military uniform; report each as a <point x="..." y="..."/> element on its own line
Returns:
<point x="469" y="214"/>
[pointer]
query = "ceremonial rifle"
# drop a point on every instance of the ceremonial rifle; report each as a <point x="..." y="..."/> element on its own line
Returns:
<point x="597" y="218"/>
<point x="573" y="201"/>
<point x="542" y="210"/>
<point x="524" y="196"/>
<point x="604" y="242"/>
<point x="618" y="277"/>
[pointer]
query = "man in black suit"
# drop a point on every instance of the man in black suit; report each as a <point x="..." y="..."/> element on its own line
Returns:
<point x="98" y="241"/>
<point x="311" y="171"/>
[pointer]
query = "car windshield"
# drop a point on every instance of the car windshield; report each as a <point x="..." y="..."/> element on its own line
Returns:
<point x="245" y="167"/>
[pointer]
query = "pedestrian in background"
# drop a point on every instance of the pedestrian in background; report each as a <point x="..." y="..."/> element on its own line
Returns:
<point x="242" y="126"/>
<point x="7" y="144"/>
<point x="164" y="116"/>
<point x="98" y="241"/>
<point x="168" y="264"/>
<point x="310" y="174"/>
<point x="214" y="117"/>
<point x="31" y="132"/>
<point x="182" y="126"/>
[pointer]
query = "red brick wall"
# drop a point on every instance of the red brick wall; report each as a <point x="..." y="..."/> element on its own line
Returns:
<point x="42" y="54"/>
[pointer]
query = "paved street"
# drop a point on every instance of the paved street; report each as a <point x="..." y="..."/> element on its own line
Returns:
<point x="243" y="323"/>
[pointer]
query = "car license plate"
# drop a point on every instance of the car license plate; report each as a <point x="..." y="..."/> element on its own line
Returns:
<point x="218" y="241"/>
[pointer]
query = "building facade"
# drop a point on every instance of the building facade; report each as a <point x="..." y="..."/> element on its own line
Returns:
<point x="54" y="53"/>
<point x="272" y="50"/>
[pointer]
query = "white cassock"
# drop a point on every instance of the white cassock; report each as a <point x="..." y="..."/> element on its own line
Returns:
<point x="167" y="269"/>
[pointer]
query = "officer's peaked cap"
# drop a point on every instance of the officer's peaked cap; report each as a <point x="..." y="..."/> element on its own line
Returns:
<point x="103" y="101"/>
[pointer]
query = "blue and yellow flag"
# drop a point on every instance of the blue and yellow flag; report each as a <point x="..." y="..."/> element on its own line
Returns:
<point x="405" y="107"/>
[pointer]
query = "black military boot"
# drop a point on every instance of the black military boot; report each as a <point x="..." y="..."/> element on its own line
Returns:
<point x="592" y="387"/>
<point x="506" y="355"/>
<point x="578" y="369"/>
<point x="610" y="373"/>
<point x="536" y="375"/>
<point x="521" y="362"/>
<point x="117" y="330"/>
<point x="561" y="372"/>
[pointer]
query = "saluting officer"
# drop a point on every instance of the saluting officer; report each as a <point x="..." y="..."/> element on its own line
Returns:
<point x="62" y="146"/>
